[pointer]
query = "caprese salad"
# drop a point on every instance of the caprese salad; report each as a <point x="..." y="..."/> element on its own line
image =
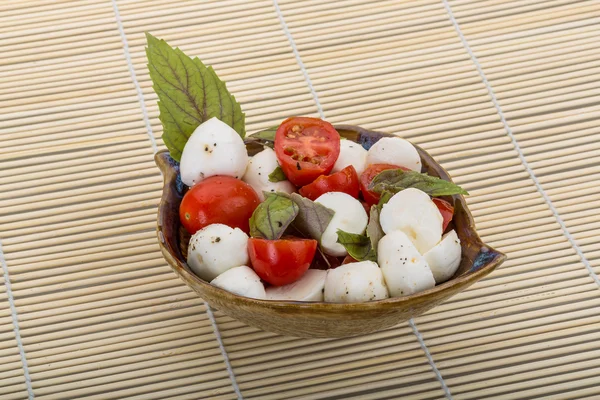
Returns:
<point x="310" y="217"/>
<point x="259" y="224"/>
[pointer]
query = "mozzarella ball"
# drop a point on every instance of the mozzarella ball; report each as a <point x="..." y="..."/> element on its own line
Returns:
<point x="444" y="257"/>
<point x="350" y="216"/>
<point x="355" y="283"/>
<point x="242" y="281"/>
<point x="308" y="288"/>
<point x="257" y="174"/>
<point x="213" y="149"/>
<point x="216" y="248"/>
<point x="395" y="151"/>
<point x="413" y="212"/>
<point x="351" y="153"/>
<point x="404" y="268"/>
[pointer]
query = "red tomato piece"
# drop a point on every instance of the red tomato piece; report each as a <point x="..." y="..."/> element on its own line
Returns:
<point x="345" y="181"/>
<point x="446" y="210"/>
<point x="281" y="261"/>
<point x="218" y="200"/>
<point x="367" y="177"/>
<point x="306" y="148"/>
<point x="366" y="207"/>
<point x="349" y="259"/>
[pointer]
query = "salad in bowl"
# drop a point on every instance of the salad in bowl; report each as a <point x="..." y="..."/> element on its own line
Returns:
<point x="304" y="228"/>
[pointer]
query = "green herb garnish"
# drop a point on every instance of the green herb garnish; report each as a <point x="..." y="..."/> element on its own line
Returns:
<point x="277" y="175"/>
<point x="266" y="134"/>
<point x="374" y="231"/>
<point x="395" y="180"/>
<point x="358" y="246"/>
<point x="313" y="218"/>
<point x="363" y="247"/>
<point x="189" y="93"/>
<point x="385" y="196"/>
<point x="272" y="217"/>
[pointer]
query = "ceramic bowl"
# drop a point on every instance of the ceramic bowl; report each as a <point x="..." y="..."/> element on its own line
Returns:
<point x="315" y="319"/>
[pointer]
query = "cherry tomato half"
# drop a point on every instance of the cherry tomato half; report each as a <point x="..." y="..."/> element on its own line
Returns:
<point x="446" y="210"/>
<point x="345" y="181"/>
<point x="218" y="200"/>
<point x="306" y="148"/>
<point x="282" y="261"/>
<point x="367" y="177"/>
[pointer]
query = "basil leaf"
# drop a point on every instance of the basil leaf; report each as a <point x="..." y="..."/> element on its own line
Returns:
<point x="313" y="218"/>
<point x="358" y="246"/>
<point x="189" y="93"/>
<point x="386" y="195"/>
<point x="272" y="217"/>
<point x="277" y="175"/>
<point x="395" y="180"/>
<point x="266" y="134"/>
<point x="374" y="231"/>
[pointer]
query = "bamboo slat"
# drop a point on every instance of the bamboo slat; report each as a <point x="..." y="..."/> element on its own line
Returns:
<point x="12" y="378"/>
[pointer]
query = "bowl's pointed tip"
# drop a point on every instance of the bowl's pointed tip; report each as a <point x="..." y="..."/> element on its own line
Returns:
<point x="502" y="257"/>
<point x="498" y="258"/>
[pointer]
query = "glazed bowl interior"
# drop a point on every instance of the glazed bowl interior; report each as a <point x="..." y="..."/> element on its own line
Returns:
<point x="319" y="319"/>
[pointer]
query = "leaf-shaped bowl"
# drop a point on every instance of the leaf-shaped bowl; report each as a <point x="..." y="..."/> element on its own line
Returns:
<point x="315" y="319"/>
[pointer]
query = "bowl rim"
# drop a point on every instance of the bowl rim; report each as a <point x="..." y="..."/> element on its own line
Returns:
<point x="169" y="171"/>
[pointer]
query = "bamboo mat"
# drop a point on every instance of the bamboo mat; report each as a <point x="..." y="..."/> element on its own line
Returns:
<point x="506" y="94"/>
